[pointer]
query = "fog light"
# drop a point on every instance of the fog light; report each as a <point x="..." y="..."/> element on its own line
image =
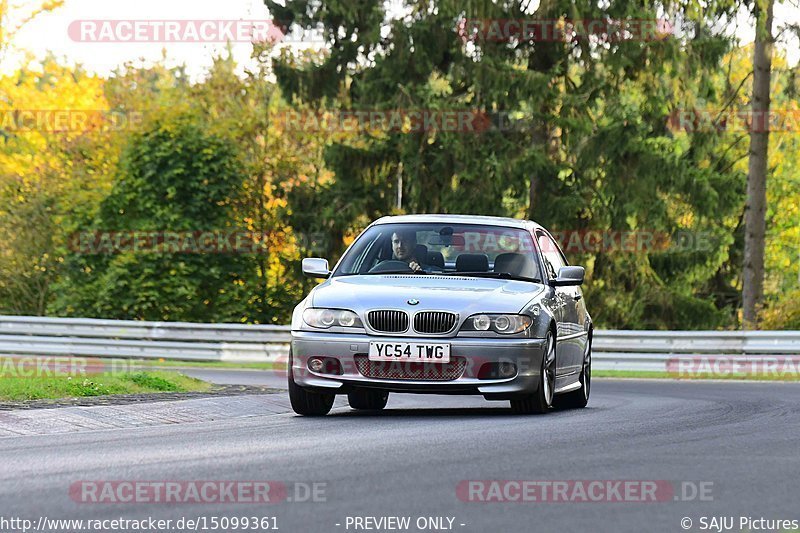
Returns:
<point x="506" y="370"/>
<point x="316" y="364"/>
<point x="500" y="370"/>
<point x="325" y="365"/>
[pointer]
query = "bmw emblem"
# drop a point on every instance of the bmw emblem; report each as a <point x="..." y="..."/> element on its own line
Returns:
<point x="413" y="301"/>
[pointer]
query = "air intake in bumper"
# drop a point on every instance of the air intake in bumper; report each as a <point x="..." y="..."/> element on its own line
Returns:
<point x="411" y="370"/>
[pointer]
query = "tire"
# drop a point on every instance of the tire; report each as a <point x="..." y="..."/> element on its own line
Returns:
<point x="368" y="400"/>
<point x="578" y="399"/>
<point x="542" y="400"/>
<point x="308" y="403"/>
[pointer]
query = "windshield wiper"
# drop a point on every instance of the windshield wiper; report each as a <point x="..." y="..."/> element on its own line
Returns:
<point x="497" y="275"/>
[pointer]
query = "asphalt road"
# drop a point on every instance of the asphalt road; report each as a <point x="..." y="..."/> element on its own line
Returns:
<point x="739" y="439"/>
<point x="230" y="376"/>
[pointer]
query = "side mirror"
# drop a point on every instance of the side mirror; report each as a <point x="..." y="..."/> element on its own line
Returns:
<point x="568" y="276"/>
<point x="315" y="267"/>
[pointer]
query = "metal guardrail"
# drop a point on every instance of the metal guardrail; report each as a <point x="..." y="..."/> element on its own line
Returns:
<point x="695" y="351"/>
<point x="87" y="337"/>
<point x="612" y="350"/>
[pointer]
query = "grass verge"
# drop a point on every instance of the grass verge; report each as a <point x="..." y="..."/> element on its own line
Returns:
<point x="17" y="388"/>
<point x="671" y="375"/>
<point x="8" y="364"/>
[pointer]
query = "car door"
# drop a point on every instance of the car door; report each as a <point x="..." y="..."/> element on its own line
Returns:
<point x="569" y="343"/>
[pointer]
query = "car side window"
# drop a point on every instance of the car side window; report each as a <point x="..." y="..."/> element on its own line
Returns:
<point x="368" y="257"/>
<point x="551" y="255"/>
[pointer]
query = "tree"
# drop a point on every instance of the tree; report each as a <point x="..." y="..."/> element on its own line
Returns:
<point x="47" y="177"/>
<point x="279" y="163"/>
<point x="174" y="178"/>
<point x="583" y="143"/>
<point x="756" y="206"/>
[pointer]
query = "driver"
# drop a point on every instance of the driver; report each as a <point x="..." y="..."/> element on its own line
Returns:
<point x="404" y="244"/>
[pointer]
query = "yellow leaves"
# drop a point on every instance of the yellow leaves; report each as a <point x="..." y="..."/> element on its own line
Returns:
<point x="249" y="223"/>
<point x="49" y="105"/>
<point x="439" y="85"/>
<point x="51" y="5"/>
<point x="274" y="203"/>
<point x="687" y="220"/>
<point x="21" y="14"/>
<point x="37" y="103"/>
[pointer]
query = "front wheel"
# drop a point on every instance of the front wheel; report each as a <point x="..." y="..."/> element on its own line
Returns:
<point x="367" y="400"/>
<point x="541" y="401"/>
<point x="308" y="403"/>
<point x="578" y="399"/>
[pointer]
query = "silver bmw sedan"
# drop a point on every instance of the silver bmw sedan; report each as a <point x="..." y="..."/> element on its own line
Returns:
<point x="444" y="304"/>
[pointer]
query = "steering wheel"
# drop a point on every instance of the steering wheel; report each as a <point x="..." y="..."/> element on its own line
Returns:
<point x="391" y="265"/>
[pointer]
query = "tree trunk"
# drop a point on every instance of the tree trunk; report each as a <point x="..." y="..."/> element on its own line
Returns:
<point x="548" y="58"/>
<point x="756" y="205"/>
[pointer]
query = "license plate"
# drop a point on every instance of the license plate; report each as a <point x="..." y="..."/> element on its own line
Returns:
<point x="409" y="351"/>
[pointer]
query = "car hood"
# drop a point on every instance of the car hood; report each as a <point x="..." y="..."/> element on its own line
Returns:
<point x="461" y="295"/>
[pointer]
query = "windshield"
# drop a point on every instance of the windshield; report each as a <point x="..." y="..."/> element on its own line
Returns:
<point x="436" y="248"/>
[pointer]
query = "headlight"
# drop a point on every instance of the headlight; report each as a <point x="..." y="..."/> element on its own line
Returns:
<point x="503" y="324"/>
<point x="325" y="318"/>
<point x="481" y="322"/>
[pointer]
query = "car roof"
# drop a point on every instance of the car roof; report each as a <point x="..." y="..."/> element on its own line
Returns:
<point x="458" y="219"/>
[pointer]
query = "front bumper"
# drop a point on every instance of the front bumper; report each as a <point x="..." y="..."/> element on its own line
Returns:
<point x="526" y="354"/>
